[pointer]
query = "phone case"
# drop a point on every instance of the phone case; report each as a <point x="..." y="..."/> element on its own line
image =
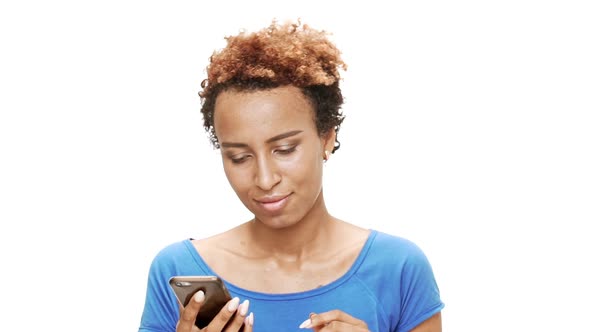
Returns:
<point x="216" y="295"/>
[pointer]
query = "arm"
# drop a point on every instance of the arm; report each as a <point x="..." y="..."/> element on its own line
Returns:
<point x="338" y="320"/>
<point x="432" y="324"/>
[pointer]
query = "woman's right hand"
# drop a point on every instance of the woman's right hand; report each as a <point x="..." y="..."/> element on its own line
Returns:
<point x="230" y="318"/>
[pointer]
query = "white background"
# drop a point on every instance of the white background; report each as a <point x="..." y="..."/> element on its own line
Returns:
<point x="467" y="132"/>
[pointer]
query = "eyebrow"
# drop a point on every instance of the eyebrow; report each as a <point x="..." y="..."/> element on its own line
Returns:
<point x="270" y="140"/>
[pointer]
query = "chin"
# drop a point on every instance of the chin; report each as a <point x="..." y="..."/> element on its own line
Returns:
<point x="277" y="222"/>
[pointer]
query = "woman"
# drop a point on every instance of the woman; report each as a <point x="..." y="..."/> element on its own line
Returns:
<point x="271" y="104"/>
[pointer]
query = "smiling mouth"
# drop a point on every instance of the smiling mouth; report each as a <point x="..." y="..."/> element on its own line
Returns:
<point x="273" y="204"/>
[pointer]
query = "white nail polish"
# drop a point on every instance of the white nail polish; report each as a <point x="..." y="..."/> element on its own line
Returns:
<point x="250" y="319"/>
<point x="306" y="324"/>
<point x="233" y="304"/>
<point x="244" y="308"/>
<point x="199" y="297"/>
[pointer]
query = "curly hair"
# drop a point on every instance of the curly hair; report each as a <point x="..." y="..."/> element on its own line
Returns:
<point x="288" y="54"/>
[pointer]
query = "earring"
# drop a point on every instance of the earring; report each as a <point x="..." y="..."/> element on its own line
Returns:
<point x="326" y="155"/>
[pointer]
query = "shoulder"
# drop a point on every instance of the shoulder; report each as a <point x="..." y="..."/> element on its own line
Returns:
<point x="394" y="253"/>
<point x="219" y="244"/>
<point x="392" y="244"/>
<point x="173" y="249"/>
<point x="172" y="255"/>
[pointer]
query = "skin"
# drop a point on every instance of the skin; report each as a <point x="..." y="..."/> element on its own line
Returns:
<point x="230" y="319"/>
<point x="271" y="151"/>
<point x="333" y="321"/>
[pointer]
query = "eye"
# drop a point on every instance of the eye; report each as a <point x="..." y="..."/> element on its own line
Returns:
<point x="286" y="150"/>
<point x="239" y="160"/>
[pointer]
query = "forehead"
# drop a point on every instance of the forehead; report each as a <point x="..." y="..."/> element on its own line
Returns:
<point x="243" y="115"/>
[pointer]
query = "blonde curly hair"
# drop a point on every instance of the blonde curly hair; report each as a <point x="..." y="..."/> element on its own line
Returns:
<point x="288" y="54"/>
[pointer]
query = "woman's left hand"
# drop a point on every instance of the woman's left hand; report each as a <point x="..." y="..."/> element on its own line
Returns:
<point x="334" y="320"/>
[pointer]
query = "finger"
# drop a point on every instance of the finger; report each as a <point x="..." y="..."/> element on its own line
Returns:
<point x="326" y="317"/>
<point x="189" y="313"/>
<point x="238" y="319"/>
<point x="249" y="323"/>
<point x="319" y="320"/>
<point x="224" y="315"/>
<point x="337" y="326"/>
<point x="307" y="323"/>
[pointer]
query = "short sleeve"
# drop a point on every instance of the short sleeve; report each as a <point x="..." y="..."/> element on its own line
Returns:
<point x="420" y="297"/>
<point x="160" y="313"/>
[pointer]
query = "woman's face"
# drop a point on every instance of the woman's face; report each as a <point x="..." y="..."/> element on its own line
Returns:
<point x="271" y="151"/>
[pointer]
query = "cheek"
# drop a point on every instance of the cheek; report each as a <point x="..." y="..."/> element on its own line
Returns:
<point x="237" y="180"/>
<point x="304" y="169"/>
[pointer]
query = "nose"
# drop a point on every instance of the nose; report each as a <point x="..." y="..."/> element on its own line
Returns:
<point x="267" y="175"/>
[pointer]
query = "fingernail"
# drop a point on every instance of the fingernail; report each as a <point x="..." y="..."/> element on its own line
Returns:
<point x="199" y="297"/>
<point x="306" y="324"/>
<point x="233" y="304"/>
<point x="250" y="319"/>
<point x="244" y="308"/>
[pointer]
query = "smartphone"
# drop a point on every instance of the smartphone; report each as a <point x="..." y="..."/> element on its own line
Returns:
<point x="216" y="295"/>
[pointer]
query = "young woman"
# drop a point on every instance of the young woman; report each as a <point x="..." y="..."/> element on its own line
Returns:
<point x="271" y="103"/>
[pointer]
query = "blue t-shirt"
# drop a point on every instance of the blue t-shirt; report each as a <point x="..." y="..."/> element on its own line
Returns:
<point x="390" y="286"/>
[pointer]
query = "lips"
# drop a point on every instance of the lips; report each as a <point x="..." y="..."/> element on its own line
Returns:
<point x="272" y="203"/>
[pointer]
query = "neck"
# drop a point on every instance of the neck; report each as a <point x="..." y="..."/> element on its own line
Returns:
<point x="303" y="239"/>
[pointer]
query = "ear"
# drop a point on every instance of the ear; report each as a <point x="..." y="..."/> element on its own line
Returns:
<point x="329" y="140"/>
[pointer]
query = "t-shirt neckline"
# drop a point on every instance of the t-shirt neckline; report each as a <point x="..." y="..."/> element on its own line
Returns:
<point x="239" y="291"/>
